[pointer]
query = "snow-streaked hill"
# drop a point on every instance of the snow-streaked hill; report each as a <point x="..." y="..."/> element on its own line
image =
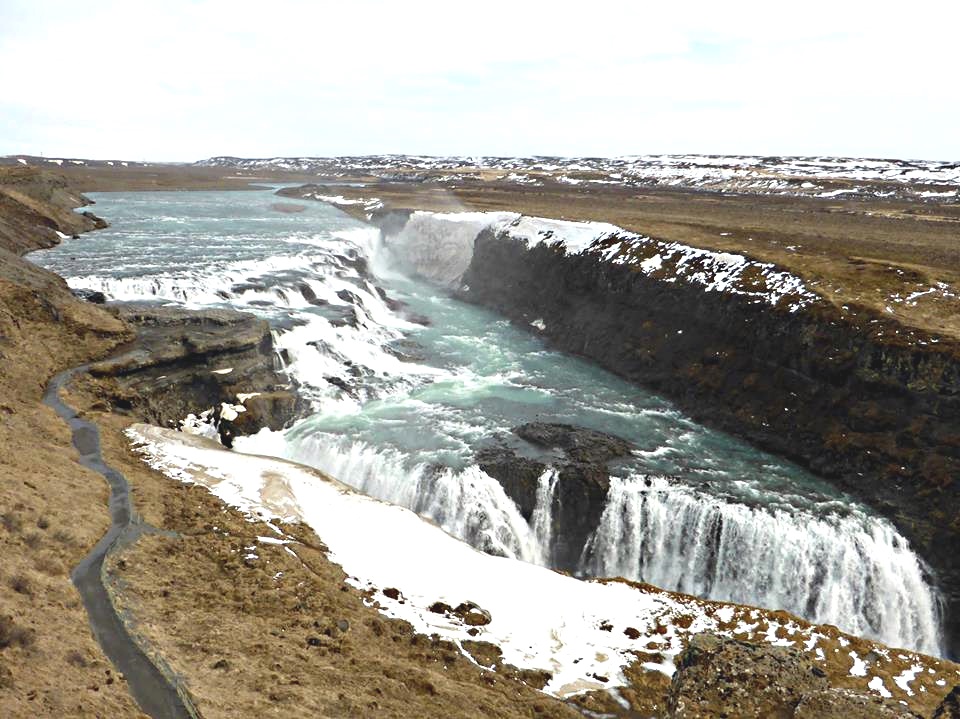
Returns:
<point x="803" y="176"/>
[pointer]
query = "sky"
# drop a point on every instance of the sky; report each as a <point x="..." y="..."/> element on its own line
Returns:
<point x="183" y="80"/>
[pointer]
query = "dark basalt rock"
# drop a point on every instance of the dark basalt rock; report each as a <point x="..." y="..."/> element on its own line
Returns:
<point x="176" y="367"/>
<point x="273" y="410"/>
<point x="518" y="475"/>
<point x="342" y="384"/>
<point x="391" y="303"/>
<point x="98" y="222"/>
<point x="950" y="706"/>
<point x="309" y="295"/>
<point x="241" y="287"/>
<point x="417" y="319"/>
<point x="406" y="350"/>
<point x="853" y="397"/>
<point x="579" y="444"/>
<point x="94" y="296"/>
<point x="348" y="296"/>
<point x="581" y="457"/>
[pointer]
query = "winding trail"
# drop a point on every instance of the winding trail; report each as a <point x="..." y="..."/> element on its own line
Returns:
<point x="157" y="692"/>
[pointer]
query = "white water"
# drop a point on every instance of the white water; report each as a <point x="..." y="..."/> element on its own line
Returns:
<point x="467" y="503"/>
<point x="821" y="568"/>
<point x="575" y="630"/>
<point x="732" y="523"/>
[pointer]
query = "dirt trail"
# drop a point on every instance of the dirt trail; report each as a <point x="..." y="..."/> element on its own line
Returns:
<point x="157" y="693"/>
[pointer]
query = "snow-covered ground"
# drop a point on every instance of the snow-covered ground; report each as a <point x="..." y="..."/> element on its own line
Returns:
<point x="825" y="177"/>
<point x="584" y="633"/>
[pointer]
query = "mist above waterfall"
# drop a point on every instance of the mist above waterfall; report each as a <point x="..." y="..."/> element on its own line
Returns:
<point x="439" y="246"/>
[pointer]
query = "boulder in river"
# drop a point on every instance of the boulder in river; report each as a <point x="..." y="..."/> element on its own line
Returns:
<point x="581" y="458"/>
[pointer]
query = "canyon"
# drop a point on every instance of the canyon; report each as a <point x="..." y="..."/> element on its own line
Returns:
<point x="849" y="394"/>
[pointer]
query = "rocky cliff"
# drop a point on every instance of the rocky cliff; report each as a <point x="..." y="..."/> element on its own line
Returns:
<point x="187" y="362"/>
<point x="858" y="399"/>
<point x="582" y="481"/>
<point x="36" y="210"/>
<point x="855" y="397"/>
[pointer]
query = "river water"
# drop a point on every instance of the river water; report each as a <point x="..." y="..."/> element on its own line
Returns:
<point x="408" y="383"/>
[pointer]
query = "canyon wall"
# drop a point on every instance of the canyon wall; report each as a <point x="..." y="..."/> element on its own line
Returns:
<point x="857" y="398"/>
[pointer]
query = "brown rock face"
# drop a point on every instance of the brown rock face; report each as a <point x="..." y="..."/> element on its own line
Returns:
<point x="718" y="677"/>
<point x="35" y="205"/>
<point x="847" y="704"/>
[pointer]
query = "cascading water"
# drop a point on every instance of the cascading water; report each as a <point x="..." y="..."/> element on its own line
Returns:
<point x="467" y="503"/>
<point x="542" y="513"/>
<point x="839" y="564"/>
<point x="407" y="384"/>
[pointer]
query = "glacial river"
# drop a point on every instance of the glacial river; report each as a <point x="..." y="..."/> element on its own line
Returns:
<point x="403" y="394"/>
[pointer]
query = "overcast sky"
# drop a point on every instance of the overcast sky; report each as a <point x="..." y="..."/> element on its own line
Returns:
<point x="179" y="80"/>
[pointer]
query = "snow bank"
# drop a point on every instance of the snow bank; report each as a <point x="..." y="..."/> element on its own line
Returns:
<point x="583" y="632"/>
<point x="341" y="201"/>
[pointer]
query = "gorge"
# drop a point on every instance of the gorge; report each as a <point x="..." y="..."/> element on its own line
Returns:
<point x="408" y="385"/>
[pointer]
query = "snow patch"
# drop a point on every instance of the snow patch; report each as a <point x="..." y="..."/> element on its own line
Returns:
<point x="230" y="412"/>
<point x="903" y="679"/>
<point x="859" y="668"/>
<point x="876" y="684"/>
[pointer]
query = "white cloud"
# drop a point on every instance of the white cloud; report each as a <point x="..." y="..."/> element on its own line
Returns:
<point x="181" y="80"/>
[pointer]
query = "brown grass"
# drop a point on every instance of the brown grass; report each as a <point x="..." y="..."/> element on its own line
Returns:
<point x="13" y="635"/>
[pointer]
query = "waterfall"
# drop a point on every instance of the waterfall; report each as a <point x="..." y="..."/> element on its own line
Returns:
<point x="847" y="569"/>
<point x="467" y="503"/>
<point x="541" y="521"/>
<point x="843" y="567"/>
<point x="439" y="247"/>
